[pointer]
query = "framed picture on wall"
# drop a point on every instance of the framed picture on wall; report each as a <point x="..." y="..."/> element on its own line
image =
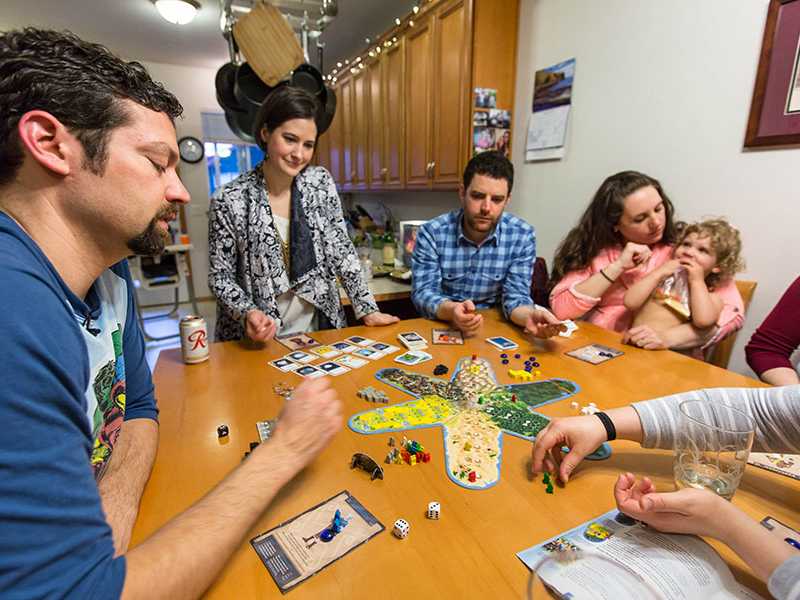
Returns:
<point x="775" y="109"/>
<point x="408" y="238"/>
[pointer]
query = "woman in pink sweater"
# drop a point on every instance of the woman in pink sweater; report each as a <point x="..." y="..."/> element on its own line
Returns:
<point x="626" y="232"/>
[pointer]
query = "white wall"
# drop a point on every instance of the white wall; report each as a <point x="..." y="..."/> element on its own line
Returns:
<point x="194" y="87"/>
<point x="664" y="88"/>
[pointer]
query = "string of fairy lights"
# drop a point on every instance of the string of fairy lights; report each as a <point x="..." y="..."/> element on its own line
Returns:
<point x="354" y="65"/>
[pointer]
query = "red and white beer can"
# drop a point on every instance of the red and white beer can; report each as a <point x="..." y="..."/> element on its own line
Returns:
<point x="194" y="339"/>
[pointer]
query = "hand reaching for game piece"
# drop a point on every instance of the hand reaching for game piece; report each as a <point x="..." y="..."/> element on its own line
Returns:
<point x="466" y="319"/>
<point x="258" y="326"/>
<point x="644" y="337"/>
<point x="582" y="435"/>
<point x="543" y="324"/>
<point x="379" y="319"/>
<point x="310" y="418"/>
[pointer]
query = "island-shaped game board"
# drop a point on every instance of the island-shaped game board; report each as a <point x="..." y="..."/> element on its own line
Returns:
<point x="474" y="412"/>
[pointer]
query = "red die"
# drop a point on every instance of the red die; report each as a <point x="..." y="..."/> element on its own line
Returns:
<point x="472" y="477"/>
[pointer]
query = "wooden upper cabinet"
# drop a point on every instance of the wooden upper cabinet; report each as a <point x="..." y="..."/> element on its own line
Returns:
<point x="393" y="61"/>
<point x="375" y="130"/>
<point x="451" y="95"/>
<point x="419" y="46"/>
<point x="348" y="159"/>
<point x="335" y="142"/>
<point x="322" y="154"/>
<point x="360" y="129"/>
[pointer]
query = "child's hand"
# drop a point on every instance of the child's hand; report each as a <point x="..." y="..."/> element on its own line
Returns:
<point x="693" y="270"/>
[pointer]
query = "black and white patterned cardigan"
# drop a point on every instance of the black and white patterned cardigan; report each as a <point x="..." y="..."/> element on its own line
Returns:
<point x="246" y="269"/>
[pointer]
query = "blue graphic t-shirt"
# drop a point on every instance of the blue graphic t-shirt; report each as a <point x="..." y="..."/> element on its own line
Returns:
<point x="71" y="371"/>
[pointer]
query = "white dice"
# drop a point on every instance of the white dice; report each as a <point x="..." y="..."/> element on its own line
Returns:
<point x="400" y="529"/>
<point x="433" y="510"/>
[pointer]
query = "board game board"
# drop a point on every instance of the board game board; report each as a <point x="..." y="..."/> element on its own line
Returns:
<point x="474" y="412"/>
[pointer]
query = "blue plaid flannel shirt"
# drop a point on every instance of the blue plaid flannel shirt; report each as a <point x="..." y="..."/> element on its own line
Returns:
<point x="448" y="266"/>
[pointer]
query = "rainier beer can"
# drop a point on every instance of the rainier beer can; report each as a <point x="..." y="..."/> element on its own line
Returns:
<point x="194" y="339"/>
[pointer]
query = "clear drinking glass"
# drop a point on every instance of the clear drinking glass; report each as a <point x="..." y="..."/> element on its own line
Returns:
<point x="712" y="444"/>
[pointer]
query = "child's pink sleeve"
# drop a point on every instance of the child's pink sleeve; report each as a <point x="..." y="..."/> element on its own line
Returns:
<point x="568" y="303"/>
<point x="731" y="318"/>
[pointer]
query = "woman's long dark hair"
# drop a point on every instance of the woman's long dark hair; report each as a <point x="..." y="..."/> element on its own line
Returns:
<point x="595" y="230"/>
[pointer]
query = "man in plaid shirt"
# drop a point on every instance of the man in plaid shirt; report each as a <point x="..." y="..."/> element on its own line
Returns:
<point x="477" y="256"/>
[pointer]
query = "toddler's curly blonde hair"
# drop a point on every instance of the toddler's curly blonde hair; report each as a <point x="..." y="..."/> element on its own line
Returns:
<point x="726" y="243"/>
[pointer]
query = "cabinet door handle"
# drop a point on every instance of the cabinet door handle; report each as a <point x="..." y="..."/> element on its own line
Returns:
<point x="433" y="167"/>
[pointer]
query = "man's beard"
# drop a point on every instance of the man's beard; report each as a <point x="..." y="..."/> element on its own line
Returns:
<point x="152" y="240"/>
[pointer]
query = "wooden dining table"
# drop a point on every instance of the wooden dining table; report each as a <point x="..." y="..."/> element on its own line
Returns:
<point x="470" y="551"/>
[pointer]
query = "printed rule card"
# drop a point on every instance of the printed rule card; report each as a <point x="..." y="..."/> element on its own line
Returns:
<point x="352" y="362"/>
<point x="326" y="351"/>
<point x="503" y="343"/>
<point x="344" y="347"/>
<point x="297" y="341"/>
<point x="357" y="340"/>
<point x="367" y="353"/>
<point x="310" y="372"/>
<point x="294" y="551"/>
<point x="285" y="365"/>
<point x="412" y="340"/>
<point x="300" y="356"/>
<point x="447" y="336"/>
<point x="331" y="368"/>
<point x="594" y="353"/>
<point x="384" y="349"/>
<point x="413" y="357"/>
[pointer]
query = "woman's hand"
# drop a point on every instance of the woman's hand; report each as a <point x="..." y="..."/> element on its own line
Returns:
<point x="633" y="255"/>
<point x="258" y="326"/>
<point x="379" y="319"/>
<point x="699" y="512"/>
<point x="644" y="337"/>
<point x="582" y="435"/>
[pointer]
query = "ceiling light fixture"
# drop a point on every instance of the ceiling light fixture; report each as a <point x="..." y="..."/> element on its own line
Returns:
<point x="179" y="12"/>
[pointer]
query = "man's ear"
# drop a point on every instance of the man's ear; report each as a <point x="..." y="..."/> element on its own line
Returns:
<point x="46" y="141"/>
<point x="461" y="192"/>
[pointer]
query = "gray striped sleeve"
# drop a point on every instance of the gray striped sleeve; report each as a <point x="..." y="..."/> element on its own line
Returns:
<point x="784" y="583"/>
<point x="776" y="412"/>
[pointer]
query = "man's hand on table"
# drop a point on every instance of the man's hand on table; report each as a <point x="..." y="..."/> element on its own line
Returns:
<point x="465" y="319"/>
<point x="543" y="324"/>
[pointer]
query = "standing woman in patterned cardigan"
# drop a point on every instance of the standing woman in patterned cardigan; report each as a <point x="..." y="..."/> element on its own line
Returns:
<point x="277" y="237"/>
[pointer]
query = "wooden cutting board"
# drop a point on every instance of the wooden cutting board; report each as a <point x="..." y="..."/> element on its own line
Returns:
<point x="268" y="43"/>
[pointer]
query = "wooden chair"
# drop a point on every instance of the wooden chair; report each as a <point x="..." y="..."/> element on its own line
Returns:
<point x="721" y="353"/>
<point x="539" y="283"/>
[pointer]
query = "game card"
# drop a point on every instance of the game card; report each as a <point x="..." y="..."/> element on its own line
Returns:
<point x="359" y="341"/>
<point x="294" y="551"/>
<point x="412" y="340"/>
<point x="285" y="365"/>
<point x="326" y="351"/>
<point x="367" y="353"/>
<point x="310" y="372"/>
<point x="447" y="336"/>
<point x="331" y="368"/>
<point x="298" y="341"/>
<point x="413" y="357"/>
<point x="352" y="362"/>
<point x="383" y="349"/>
<point x="594" y="353"/>
<point x="502" y="342"/>
<point x="344" y="347"/>
<point x="300" y="356"/>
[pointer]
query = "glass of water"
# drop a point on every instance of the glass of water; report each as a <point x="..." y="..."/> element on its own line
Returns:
<point x="712" y="444"/>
